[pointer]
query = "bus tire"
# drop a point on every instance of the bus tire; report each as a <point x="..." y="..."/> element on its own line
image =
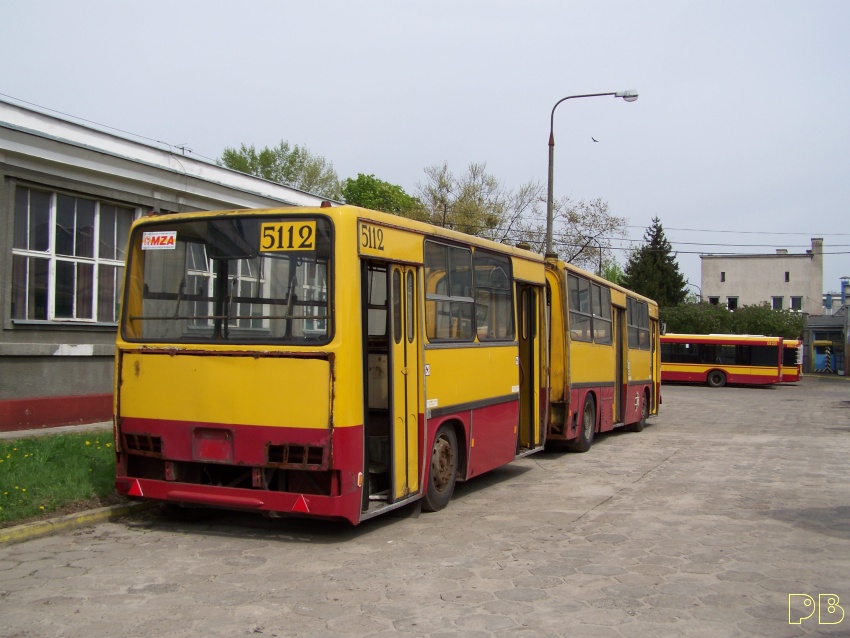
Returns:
<point x="644" y="413"/>
<point x="588" y="426"/>
<point x="443" y="472"/>
<point x="716" y="379"/>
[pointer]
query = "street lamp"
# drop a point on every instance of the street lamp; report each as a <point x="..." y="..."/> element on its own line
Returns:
<point x="628" y="96"/>
<point x="698" y="288"/>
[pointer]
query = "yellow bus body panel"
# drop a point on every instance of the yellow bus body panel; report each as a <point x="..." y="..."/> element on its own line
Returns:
<point x="591" y="363"/>
<point x="461" y="375"/>
<point x="273" y="391"/>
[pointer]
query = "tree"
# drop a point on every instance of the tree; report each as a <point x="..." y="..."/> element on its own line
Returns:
<point x="612" y="271"/>
<point x="652" y="270"/>
<point x="581" y="234"/>
<point x="706" y="318"/>
<point x="698" y="318"/>
<point x="762" y="319"/>
<point x="370" y="192"/>
<point x="476" y="202"/>
<point x="292" y="166"/>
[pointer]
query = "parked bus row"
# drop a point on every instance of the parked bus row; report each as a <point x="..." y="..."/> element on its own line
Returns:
<point x="340" y="363"/>
<point x="718" y="359"/>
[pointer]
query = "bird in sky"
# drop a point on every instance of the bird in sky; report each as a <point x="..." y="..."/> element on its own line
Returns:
<point x="594" y="139"/>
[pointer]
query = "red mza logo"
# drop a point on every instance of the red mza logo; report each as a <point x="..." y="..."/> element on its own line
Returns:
<point x="160" y="240"/>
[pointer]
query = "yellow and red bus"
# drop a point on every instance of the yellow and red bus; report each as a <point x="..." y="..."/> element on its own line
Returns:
<point x="605" y="365"/>
<point x="340" y="363"/>
<point x="720" y="359"/>
<point x="792" y="360"/>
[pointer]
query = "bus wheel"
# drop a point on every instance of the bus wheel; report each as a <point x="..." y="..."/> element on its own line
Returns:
<point x="443" y="474"/>
<point x="644" y="413"/>
<point x="588" y="425"/>
<point x="716" y="379"/>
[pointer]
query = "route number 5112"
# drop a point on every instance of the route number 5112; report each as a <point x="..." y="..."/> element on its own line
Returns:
<point x="285" y="236"/>
<point x="371" y="237"/>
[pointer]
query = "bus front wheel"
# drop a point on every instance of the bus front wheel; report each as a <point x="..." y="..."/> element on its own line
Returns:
<point x="716" y="379"/>
<point x="443" y="474"/>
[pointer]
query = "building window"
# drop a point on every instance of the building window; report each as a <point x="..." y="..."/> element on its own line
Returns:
<point x="732" y="303"/>
<point x="796" y="303"/>
<point x="722" y="276"/>
<point x="67" y="257"/>
<point x="714" y="301"/>
<point x="787" y="276"/>
<point x="777" y="303"/>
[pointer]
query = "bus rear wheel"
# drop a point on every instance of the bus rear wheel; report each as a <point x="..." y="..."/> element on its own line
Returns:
<point x="443" y="473"/>
<point x="716" y="379"/>
<point x="588" y="425"/>
<point x="644" y="413"/>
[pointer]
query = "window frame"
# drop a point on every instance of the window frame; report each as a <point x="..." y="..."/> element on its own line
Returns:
<point x="637" y="324"/>
<point x="95" y="278"/>
<point x="589" y="323"/>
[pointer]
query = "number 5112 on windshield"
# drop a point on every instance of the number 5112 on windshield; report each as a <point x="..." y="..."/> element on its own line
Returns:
<point x="280" y="236"/>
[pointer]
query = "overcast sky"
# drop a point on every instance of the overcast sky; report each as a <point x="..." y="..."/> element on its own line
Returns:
<point x="741" y="124"/>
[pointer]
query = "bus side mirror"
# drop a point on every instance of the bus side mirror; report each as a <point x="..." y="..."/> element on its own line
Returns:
<point x="663" y="328"/>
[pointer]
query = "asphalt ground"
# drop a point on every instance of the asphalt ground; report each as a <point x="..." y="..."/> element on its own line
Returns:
<point x="728" y="516"/>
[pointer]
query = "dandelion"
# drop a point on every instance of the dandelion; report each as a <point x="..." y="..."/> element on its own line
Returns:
<point x="41" y="507"/>
<point x="88" y="442"/>
<point x="109" y="445"/>
<point x="23" y="489"/>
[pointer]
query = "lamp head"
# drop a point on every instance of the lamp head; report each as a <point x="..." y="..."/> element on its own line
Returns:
<point x="628" y="96"/>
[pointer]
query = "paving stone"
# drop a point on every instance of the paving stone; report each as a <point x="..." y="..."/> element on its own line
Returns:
<point x="699" y="526"/>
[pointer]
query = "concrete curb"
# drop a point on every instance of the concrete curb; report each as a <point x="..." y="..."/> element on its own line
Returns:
<point x="38" y="529"/>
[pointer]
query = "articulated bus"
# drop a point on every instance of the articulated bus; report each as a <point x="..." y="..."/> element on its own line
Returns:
<point x="340" y="363"/>
<point x="718" y="359"/>
<point x="792" y="360"/>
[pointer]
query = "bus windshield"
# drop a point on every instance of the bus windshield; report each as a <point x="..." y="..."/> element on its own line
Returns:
<point x="236" y="279"/>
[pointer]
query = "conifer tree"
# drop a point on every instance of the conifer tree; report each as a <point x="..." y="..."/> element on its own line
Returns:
<point x="652" y="269"/>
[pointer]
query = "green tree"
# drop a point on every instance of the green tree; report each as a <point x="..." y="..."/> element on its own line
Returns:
<point x="697" y="318"/>
<point x="370" y="192"/>
<point x="612" y="271"/>
<point x="706" y="318"/>
<point x="761" y="319"/>
<point x="652" y="269"/>
<point x="292" y="166"/>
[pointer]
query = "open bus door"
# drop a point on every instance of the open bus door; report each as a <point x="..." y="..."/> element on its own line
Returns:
<point x="532" y="407"/>
<point x="392" y="346"/>
<point x="621" y="346"/>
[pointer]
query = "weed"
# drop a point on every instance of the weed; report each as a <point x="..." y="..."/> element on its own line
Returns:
<point x="44" y="474"/>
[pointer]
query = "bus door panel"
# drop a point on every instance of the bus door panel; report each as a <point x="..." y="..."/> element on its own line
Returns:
<point x="621" y="348"/>
<point x="405" y="365"/>
<point x="528" y="435"/>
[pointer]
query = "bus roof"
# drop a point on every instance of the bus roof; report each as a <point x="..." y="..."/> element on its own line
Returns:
<point x="352" y="213"/>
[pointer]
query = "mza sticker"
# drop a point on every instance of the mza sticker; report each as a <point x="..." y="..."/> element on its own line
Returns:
<point x="159" y="240"/>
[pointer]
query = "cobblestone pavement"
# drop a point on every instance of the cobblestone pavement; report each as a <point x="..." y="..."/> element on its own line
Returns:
<point x="701" y="525"/>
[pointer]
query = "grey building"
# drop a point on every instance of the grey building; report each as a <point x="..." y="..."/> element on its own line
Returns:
<point x="68" y="194"/>
<point x="787" y="281"/>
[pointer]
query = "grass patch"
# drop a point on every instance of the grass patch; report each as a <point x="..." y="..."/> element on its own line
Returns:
<point x="55" y="473"/>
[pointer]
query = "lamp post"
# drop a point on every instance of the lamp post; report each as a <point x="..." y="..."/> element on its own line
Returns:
<point x="698" y="289"/>
<point x="628" y="96"/>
